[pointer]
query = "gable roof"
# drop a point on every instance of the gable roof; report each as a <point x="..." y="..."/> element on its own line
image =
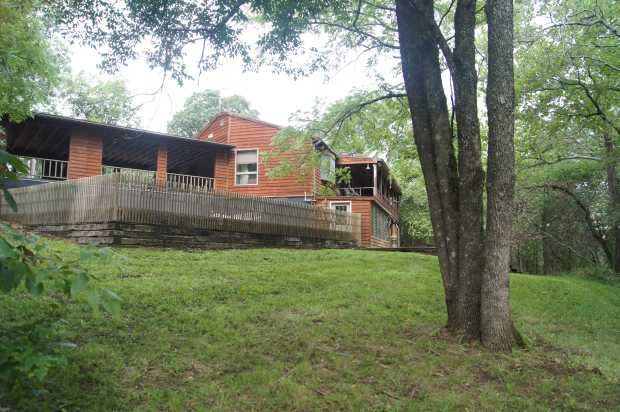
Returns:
<point x="238" y="116"/>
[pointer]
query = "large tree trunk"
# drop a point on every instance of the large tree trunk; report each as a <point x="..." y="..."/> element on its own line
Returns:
<point x="614" y="199"/>
<point x="469" y="168"/>
<point x="497" y="328"/>
<point x="477" y="300"/>
<point x="433" y="138"/>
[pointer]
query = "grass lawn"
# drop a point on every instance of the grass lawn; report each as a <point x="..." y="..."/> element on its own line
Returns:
<point x="330" y="329"/>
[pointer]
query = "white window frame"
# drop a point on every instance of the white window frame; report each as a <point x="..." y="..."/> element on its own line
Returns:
<point x="249" y="149"/>
<point x="341" y="202"/>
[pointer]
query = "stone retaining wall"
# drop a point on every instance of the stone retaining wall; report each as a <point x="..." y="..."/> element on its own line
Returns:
<point x="125" y="234"/>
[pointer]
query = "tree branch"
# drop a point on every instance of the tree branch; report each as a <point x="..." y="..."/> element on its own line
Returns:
<point x="446" y="13"/>
<point x="597" y="234"/>
<point x="350" y="112"/>
<point x="592" y="99"/>
<point x="356" y="30"/>
<point x="543" y="162"/>
<point x="380" y="7"/>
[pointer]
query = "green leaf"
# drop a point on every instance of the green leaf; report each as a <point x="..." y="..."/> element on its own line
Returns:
<point x="111" y="303"/>
<point x="80" y="284"/>
<point x="10" y="200"/>
<point x="40" y="373"/>
<point x="93" y="299"/>
<point x="7" y="251"/>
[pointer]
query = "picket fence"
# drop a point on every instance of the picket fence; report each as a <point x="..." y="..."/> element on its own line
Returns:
<point x="136" y="199"/>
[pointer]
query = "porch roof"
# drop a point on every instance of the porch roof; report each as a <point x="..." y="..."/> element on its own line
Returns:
<point x="48" y="135"/>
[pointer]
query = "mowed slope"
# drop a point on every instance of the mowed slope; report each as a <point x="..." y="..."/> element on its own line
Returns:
<point x="331" y="330"/>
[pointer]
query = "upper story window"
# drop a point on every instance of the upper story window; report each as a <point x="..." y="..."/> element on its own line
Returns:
<point x="246" y="167"/>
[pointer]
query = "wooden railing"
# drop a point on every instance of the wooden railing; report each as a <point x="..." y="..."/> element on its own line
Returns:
<point x="144" y="174"/>
<point x="356" y="191"/>
<point x="132" y="199"/>
<point x="175" y="181"/>
<point x="41" y="168"/>
<point x="388" y="202"/>
<point x="188" y="182"/>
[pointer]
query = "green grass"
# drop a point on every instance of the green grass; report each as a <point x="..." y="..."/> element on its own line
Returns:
<point x="330" y="330"/>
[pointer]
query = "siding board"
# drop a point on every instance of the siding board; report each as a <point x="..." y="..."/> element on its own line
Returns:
<point x="85" y="156"/>
<point x="248" y="134"/>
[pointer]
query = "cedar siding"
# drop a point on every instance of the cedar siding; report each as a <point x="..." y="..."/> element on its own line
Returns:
<point x="85" y="156"/>
<point x="363" y="206"/>
<point x="245" y="134"/>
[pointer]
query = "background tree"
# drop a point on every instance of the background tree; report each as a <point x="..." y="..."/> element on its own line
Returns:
<point x="569" y="82"/>
<point x="560" y="219"/>
<point x="106" y="101"/>
<point x="201" y="107"/>
<point x="29" y="65"/>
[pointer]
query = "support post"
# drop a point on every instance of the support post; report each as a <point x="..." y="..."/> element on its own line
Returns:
<point x="374" y="179"/>
<point x="162" y="166"/>
<point x="85" y="155"/>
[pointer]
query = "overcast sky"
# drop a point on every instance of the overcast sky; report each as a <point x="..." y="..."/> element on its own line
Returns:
<point x="275" y="96"/>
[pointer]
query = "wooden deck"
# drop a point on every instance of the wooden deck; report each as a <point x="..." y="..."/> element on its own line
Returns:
<point x="135" y="200"/>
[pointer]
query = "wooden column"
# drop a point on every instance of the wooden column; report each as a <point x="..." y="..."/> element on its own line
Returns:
<point x="374" y="179"/>
<point x="85" y="155"/>
<point x="162" y="165"/>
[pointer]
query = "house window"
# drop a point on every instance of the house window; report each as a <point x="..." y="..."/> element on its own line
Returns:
<point x="380" y="223"/>
<point x="247" y="167"/>
<point x="341" y="207"/>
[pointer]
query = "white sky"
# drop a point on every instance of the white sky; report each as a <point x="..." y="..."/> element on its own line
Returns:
<point x="274" y="96"/>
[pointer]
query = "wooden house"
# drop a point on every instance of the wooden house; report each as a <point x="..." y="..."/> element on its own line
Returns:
<point x="226" y="156"/>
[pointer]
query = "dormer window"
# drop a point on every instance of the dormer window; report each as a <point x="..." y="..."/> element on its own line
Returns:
<point x="246" y="167"/>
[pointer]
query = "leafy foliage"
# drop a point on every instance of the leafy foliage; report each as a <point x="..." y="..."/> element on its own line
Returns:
<point x="161" y="31"/>
<point x="568" y="80"/>
<point x="201" y="107"/>
<point x="29" y="265"/>
<point x="10" y="169"/>
<point x="107" y="101"/>
<point x="28" y="63"/>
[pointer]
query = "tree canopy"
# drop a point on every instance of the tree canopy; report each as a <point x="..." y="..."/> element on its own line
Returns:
<point x="569" y="84"/>
<point x="107" y="101"/>
<point x="29" y="65"/>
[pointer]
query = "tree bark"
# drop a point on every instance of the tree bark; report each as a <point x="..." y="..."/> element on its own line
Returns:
<point x="496" y="323"/>
<point x="476" y="289"/>
<point x="433" y="138"/>
<point x="469" y="169"/>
